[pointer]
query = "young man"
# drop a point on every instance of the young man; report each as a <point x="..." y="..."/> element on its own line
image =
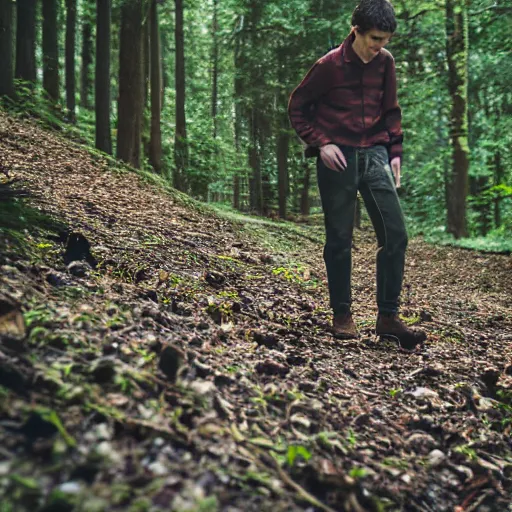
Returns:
<point x="346" y="111"/>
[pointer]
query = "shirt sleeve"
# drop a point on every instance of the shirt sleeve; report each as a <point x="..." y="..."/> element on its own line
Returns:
<point x="391" y="111"/>
<point x="302" y="101"/>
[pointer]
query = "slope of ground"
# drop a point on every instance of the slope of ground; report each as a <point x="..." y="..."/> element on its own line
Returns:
<point x="157" y="355"/>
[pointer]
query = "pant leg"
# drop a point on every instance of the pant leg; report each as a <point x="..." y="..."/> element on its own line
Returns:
<point x="378" y="190"/>
<point x="338" y="192"/>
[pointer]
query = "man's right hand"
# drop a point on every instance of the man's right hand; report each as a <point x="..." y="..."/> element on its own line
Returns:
<point x="333" y="157"/>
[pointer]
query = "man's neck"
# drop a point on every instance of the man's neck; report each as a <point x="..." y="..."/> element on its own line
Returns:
<point x="359" y="52"/>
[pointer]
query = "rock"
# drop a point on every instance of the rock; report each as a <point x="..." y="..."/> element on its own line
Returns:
<point x="421" y="443"/>
<point x="265" y="339"/>
<point x="203" y="370"/>
<point x="103" y="369"/>
<point x="214" y="278"/>
<point x="270" y="367"/>
<point x="171" y="360"/>
<point x="58" y="279"/>
<point x="12" y="323"/>
<point x="490" y="377"/>
<point x="78" y="248"/>
<point x="436" y="457"/>
<point x="421" y="392"/>
<point x="79" y="268"/>
<point x="202" y="387"/>
<point x="12" y="378"/>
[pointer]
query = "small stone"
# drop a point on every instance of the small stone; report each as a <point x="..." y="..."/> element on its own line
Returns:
<point x="158" y="469"/>
<point x="202" y="387"/>
<point x="421" y="443"/>
<point x="79" y="268"/>
<point x="265" y="339"/>
<point x="270" y="367"/>
<point x="171" y="360"/>
<point x="422" y="392"/>
<point x="436" y="457"/>
<point x="490" y="377"/>
<point x="103" y="369"/>
<point x="58" y="279"/>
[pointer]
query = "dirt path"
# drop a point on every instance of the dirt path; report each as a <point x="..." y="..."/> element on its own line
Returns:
<point x="192" y="369"/>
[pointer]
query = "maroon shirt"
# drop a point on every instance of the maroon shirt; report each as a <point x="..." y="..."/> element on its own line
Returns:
<point x="344" y="101"/>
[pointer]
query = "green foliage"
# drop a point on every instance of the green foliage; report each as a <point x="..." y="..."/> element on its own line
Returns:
<point x="295" y="451"/>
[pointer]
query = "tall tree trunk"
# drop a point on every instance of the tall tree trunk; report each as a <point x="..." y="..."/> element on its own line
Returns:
<point x="457" y="54"/>
<point x="26" y="40"/>
<point x="102" y="83"/>
<point x="215" y="67"/>
<point x="180" y="146"/>
<point x="50" y="49"/>
<point x="87" y="49"/>
<point x="283" y="136"/>
<point x="499" y="174"/>
<point x="70" y="58"/>
<point x="6" y="44"/>
<point x="256" y="186"/>
<point x="283" y="144"/>
<point x="304" y="198"/>
<point x="155" y="142"/>
<point x="130" y="84"/>
<point x="238" y="89"/>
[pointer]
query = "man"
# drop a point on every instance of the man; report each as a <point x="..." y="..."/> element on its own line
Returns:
<point x="346" y="111"/>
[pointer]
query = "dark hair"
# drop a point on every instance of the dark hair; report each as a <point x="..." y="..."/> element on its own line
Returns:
<point x="378" y="14"/>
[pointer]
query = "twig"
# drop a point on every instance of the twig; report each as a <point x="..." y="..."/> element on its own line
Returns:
<point x="300" y="490"/>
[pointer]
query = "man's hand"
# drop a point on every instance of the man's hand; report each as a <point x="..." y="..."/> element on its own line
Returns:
<point x="395" y="167"/>
<point x="333" y="157"/>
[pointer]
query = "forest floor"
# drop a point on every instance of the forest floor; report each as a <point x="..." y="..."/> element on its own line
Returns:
<point x="157" y="354"/>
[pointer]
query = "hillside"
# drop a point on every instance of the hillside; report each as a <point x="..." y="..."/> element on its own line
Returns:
<point x="157" y="354"/>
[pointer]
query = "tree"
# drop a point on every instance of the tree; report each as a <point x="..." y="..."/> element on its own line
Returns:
<point x="6" y="44"/>
<point x="102" y="80"/>
<point x="70" y="58"/>
<point x="457" y="55"/>
<point x="87" y="57"/>
<point x="131" y="91"/>
<point x="50" y="49"/>
<point x="155" y="141"/>
<point x="180" y="143"/>
<point x="26" y="40"/>
<point x="215" y="66"/>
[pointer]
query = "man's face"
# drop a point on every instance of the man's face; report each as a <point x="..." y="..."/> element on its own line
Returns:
<point x="371" y="42"/>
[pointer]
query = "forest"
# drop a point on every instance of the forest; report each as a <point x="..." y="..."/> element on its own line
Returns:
<point x="166" y="331"/>
<point x="198" y="93"/>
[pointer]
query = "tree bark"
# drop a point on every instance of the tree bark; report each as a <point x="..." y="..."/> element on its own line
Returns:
<point x="50" y="49"/>
<point x="283" y="136"/>
<point x="215" y="68"/>
<point x="130" y="84"/>
<point x="26" y="40"/>
<point x="102" y="82"/>
<point x="304" y="199"/>
<point x="238" y="89"/>
<point x="70" y="59"/>
<point x="180" y="145"/>
<point x="6" y="44"/>
<point x="155" y="142"/>
<point x="87" y="49"/>
<point x="457" y="55"/>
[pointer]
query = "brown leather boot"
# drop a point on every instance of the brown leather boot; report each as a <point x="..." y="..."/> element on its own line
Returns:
<point x="343" y="327"/>
<point x="392" y="327"/>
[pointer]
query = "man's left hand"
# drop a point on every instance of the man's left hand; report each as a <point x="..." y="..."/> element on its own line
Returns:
<point x="395" y="167"/>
